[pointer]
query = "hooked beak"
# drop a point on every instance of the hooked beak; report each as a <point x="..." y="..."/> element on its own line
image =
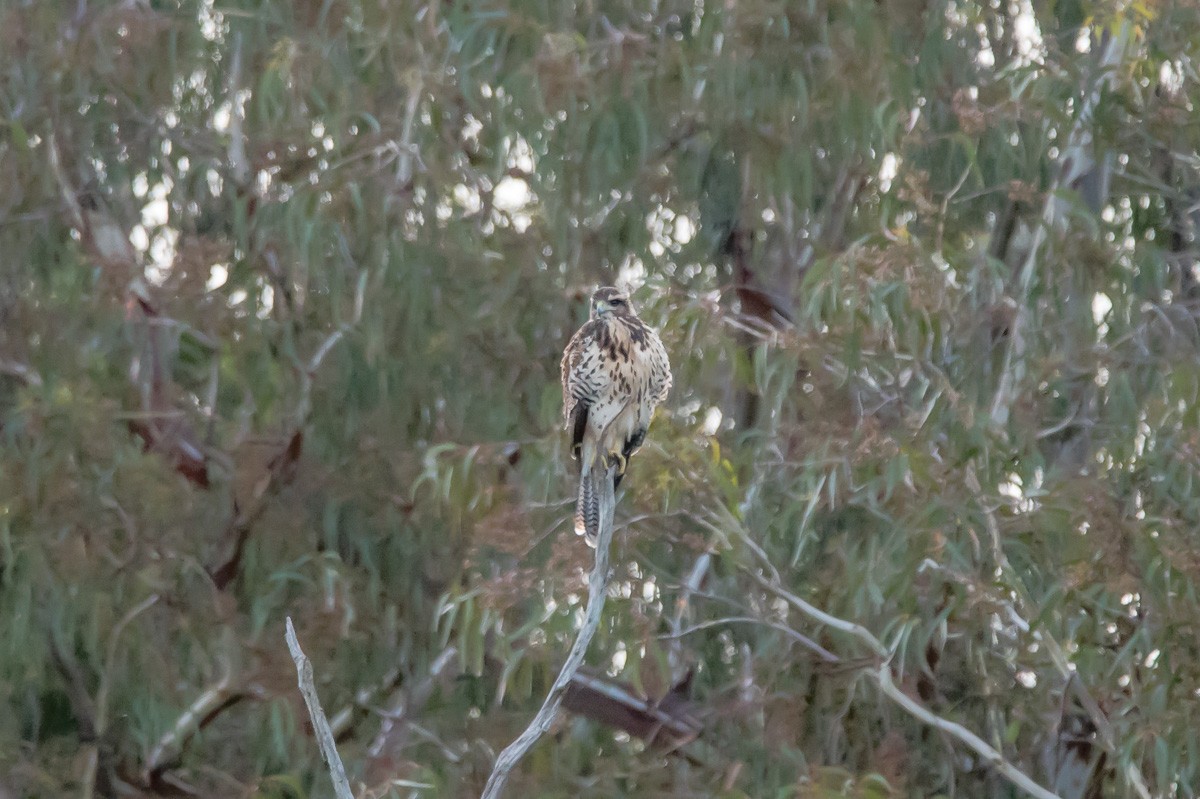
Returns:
<point x="602" y="307"/>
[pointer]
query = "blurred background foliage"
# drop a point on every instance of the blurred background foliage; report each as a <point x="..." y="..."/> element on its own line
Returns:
<point x="283" y="288"/>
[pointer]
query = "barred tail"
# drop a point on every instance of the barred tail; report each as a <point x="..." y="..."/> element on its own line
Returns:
<point x="587" y="504"/>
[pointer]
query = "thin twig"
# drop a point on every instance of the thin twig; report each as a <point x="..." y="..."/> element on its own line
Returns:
<point x="597" y="586"/>
<point x="405" y="147"/>
<point x="343" y="721"/>
<point x="683" y="725"/>
<point x="307" y="371"/>
<point x="399" y="716"/>
<point x="110" y="660"/>
<point x="795" y="635"/>
<point x="308" y="689"/>
<point x="690" y="586"/>
<point x="69" y="195"/>
<point x="93" y="757"/>
<point x="882" y="676"/>
<point x="82" y="706"/>
<point x="775" y="586"/>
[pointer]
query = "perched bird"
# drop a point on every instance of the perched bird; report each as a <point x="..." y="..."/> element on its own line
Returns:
<point x="615" y="370"/>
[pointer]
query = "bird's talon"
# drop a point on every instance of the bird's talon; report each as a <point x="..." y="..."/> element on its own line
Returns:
<point x="618" y="460"/>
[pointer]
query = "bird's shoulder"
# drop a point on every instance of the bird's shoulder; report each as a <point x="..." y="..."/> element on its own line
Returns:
<point x="655" y="358"/>
<point x="592" y="332"/>
<point x="585" y="338"/>
<point x="646" y="342"/>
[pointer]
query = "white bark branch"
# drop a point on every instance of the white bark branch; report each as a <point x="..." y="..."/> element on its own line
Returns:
<point x="1058" y="656"/>
<point x="307" y="371"/>
<point x="690" y="586"/>
<point x="308" y="689"/>
<point x="188" y="722"/>
<point x="1075" y="161"/>
<point x="597" y="587"/>
<point x="22" y="372"/>
<point x="882" y="676"/>
<point x="401" y="712"/>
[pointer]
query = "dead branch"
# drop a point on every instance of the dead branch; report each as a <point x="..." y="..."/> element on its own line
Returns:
<point x="308" y="689"/>
<point x="597" y="587"/>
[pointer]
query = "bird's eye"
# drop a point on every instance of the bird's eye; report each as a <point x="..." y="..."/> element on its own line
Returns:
<point x="617" y="302"/>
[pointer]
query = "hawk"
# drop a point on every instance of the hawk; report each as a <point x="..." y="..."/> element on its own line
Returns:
<point x="615" y="371"/>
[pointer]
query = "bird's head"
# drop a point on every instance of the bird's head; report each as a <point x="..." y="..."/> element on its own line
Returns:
<point x="609" y="301"/>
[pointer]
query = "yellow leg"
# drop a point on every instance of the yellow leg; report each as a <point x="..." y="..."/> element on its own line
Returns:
<point x="620" y="460"/>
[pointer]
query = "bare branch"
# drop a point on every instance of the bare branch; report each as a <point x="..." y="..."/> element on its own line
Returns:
<point x="690" y="586"/>
<point x="1073" y="164"/>
<point x="795" y="635"/>
<point x="214" y="698"/>
<point x="1057" y="655"/>
<point x="283" y="467"/>
<point x="82" y="708"/>
<point x="64" y="185"/>
<point x="407" y="151"/>
<point x="23" y="372"/>
<point x="667" y="722"/>
<point x="238" y="160"/>
<point x="410" y="703"/>
<point x="882" y="676"/>
<point x="110" y="659"/>
<point x="597" y="586"/>
<point x="92" y="716"/>
<point x="775" y="585"/>
<point x="308" y="689"/>
<point x="307" y="371"/>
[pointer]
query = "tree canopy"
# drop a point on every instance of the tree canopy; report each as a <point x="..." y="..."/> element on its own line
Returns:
<point x="283" y="290"/>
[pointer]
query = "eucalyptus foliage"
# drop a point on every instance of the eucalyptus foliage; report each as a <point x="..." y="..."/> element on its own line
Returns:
<point x="283" y="288"/>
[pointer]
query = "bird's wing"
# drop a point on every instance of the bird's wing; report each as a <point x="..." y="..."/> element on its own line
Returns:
<point x="582" y="380"/>
<point x="660" y="384"/>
